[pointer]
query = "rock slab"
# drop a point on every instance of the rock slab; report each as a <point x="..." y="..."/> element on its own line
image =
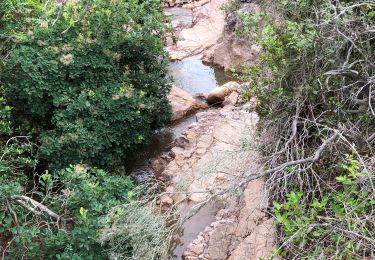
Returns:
<point x="183" y="103"/>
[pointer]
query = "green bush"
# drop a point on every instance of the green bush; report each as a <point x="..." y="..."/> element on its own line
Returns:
<point x="81" y="83"/>
<point x="88" y="77"/>
<point x="81" y="197"/>
<point x="329" y="216"/>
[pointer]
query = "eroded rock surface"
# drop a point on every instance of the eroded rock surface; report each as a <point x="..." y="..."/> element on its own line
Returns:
<point x="216" y="151"/>
<point x="206" y="30"/>
<point x="242" y="233"/>
<point x="204" y="27"/>
<point x="211" y="155"/>
<point x="235" y="50"/>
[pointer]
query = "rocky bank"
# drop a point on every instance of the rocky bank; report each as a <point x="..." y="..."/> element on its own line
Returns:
<point x="214" y="30"/>
<point x="214" y="154"/>
<point x="219" y="149"/>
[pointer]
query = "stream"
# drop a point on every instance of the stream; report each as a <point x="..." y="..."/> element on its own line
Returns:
<point x="194" y="77"/>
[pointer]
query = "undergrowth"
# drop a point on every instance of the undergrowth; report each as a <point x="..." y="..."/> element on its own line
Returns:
<point x="315" y="92"/>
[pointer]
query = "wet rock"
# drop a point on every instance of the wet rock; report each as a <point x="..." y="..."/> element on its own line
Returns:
<point x="183" y="103"/>
<point x="181" y="142"/>
<point x="203" y="164"/>
<point x="158" y="165"/>
<point x="204" y="159"/>
<point x="241" y="233"/>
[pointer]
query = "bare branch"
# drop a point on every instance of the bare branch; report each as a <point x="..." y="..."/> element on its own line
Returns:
<point x="34" y="206"/>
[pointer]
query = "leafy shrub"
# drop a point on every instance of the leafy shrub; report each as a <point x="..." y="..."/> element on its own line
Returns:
<point x="80" y="197"/>
<point x="231" y="6"/>
<point x="88" y="77"/>
<point x="16" y="156"/>
<point x="81" y="82"/>
<point x="329" y="217"/>
<point x="250" y="22"/>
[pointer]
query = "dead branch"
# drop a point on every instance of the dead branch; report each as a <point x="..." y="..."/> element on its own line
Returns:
<point x="310" y="159"/>
<point x="344" y="72"/>
<point x="34" y="206"/>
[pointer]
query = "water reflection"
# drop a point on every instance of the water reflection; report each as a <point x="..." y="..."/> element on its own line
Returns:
<point x="193" y="76"/>
<point x="191" y="228"/>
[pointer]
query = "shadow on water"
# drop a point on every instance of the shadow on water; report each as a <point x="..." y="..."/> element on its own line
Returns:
<point x="137" y="164"/>
<point x="194" y="77"/>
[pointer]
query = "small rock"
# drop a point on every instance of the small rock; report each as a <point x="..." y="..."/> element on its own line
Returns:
<point x="181" y="142"/>
<point x="166" y="200"/>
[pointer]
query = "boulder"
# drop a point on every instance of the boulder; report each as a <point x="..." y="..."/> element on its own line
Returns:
<point x="218" y="95"/>
<point x="183" y="103"/>
<point x="233" y="51"/>
<point x="231" y="99"/>
<point x="205" y="31"/>
<point x="232" y="86"/>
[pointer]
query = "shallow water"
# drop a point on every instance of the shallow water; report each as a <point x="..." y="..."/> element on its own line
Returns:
<point x="191" y="228"/>
<point x="137" y="164"/>
<point x="195" y="77"/>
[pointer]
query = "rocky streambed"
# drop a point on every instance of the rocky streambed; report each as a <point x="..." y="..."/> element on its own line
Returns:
<point x="208" y="148"/>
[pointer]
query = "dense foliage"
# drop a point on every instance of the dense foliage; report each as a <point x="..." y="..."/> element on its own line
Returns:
<point x="77" y="200"/>
<point x="82" y="83"/>
<point x="316" y="98"/>
<point x="88" y="77"/>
